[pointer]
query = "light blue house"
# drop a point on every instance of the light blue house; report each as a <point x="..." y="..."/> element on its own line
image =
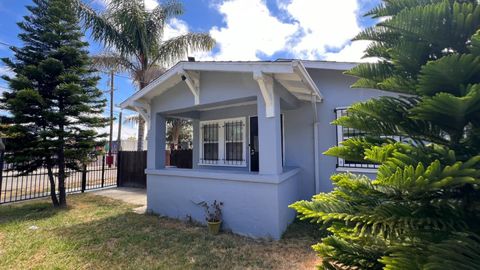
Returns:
<point x="259" y="131"/>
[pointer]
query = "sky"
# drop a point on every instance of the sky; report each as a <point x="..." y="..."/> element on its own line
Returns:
<point x="243" y="30"/>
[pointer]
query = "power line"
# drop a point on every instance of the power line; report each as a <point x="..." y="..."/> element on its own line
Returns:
<point x="105" y="72"/>
<point x="6" y="44"/>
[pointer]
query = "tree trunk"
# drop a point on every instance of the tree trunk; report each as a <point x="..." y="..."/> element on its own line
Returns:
<point x="175" y="133"/>
<point x="141" y="121"/>
<point x="61" y="178"/>
<point x="62" y="196"/>
<point x="141" y="133"/>
<point x="53" y="194"/>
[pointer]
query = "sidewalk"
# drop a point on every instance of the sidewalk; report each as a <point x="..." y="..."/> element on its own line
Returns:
<point x="137" y="196"/>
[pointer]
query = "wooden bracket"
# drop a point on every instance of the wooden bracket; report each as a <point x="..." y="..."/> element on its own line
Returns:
<point x="265" y="82"/>
<point x="192" y="79"/>
<point x="144" y="110"/>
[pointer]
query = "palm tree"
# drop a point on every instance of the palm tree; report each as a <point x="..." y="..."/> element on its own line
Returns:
<point x="134" y="38"/>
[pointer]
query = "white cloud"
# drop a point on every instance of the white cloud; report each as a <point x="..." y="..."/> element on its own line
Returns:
<point x="352" y="52"/>
<point x="6" y="71"/>
<point x="304" y="29"/>
<point x="174" y="28"/>
<point x="307" y="30"/>
<point x="151" y="4"/>
<point x="250" y="30"/>
<point x="324" y="25"/>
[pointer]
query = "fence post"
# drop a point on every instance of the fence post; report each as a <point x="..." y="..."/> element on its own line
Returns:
<point x="103" y="170"/>
<point x="84" y="178"/>
<point x="2" y="155"/>
<point x="119" y="167"/>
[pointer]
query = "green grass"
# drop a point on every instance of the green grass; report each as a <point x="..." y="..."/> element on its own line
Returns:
<point x="95" y="232"/>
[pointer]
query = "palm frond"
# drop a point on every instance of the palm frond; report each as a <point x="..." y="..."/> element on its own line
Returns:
<point x="179" y="47"/>
<point x="149" y="75"/>
<point x="157" y="18"/>
<point x="133" y="119"/>
<point x="103" y="29"/>
<point x="112" y="62"/>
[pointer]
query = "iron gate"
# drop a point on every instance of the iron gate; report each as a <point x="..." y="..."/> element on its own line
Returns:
<point x="15" y="187"/>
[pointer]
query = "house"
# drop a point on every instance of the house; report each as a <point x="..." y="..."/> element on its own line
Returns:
<point x="259" y="131"/>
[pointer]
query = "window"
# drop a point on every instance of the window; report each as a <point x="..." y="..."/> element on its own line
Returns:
<point x="223" y="142"/>
<point x="210" y="142"/>
<point x="344" y="133"/>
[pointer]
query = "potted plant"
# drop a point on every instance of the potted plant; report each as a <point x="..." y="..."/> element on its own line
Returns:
<point x="213" y="216"/>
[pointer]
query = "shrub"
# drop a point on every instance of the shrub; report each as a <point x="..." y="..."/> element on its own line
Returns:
<point x="422" y="211"/>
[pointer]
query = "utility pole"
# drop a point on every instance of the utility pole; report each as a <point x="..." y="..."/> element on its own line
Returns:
<point x="110" y="157"/>
<point x="119" y="135"/>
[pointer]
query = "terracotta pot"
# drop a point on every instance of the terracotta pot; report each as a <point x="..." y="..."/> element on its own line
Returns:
<point x="214" y="227"/>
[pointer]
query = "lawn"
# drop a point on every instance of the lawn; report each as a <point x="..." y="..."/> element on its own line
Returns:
<point x="95" y="232"/>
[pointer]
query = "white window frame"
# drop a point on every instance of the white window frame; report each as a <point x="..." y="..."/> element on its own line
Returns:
<point x="222" y="142"/>
<point x="340" y="138"/>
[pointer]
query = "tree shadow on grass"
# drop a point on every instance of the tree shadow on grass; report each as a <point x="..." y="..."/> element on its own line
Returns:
<point x="27" y="211"/>
<point x="130" y="240"/>
<point x="304" y="229"/>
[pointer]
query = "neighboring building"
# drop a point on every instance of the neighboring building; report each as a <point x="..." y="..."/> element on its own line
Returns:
<point x="259" y="130"/>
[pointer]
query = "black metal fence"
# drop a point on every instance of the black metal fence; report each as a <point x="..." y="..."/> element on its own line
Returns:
<point x="14" y="187"/>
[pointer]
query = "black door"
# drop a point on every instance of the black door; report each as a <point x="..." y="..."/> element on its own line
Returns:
<point x="254" y="144"/>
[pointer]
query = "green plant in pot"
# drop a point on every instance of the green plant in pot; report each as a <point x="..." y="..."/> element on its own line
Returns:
<point x="213" y="216"/>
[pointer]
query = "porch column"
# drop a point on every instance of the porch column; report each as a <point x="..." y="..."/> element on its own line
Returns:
<point x="196" y="143"/>
<point x="269" y="137"/>
<point x="156" y="142"/>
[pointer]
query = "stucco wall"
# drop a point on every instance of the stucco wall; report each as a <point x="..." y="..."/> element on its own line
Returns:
<point x="255" y="206"/>
<point x="217" y="87"/>
<point x="299" y="146"/>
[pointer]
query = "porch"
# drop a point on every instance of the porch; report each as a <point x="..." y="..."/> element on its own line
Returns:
<point x="238" y="158"/>
<point x="239" y="142"/>
<point x="255" y="205"/>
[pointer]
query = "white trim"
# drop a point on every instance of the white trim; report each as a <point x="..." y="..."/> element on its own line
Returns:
<point x="236" y="176"/>
<point x="172" y="76"/>
<point x="300" y="69"/>
<point x="222" y="142"/>
<point x="359" y="170"/>
<point x="329" y="65"/>
<point x="341" y="161"/>
<point x="228" y="106"/>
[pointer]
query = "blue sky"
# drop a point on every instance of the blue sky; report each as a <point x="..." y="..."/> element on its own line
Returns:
<point x="244" y="30"/>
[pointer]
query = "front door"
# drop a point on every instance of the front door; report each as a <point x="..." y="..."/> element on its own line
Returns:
<point x="254" y="144"/>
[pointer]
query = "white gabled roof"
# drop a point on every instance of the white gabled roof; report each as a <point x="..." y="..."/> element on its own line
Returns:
<point x="292" y="74"/>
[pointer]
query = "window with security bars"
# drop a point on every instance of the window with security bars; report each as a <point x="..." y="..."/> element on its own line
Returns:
<point x="234" y="142"/>
<point x="223" y="142"/>
<point x="210" y="143"/>
<point x="345" y="133"/>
